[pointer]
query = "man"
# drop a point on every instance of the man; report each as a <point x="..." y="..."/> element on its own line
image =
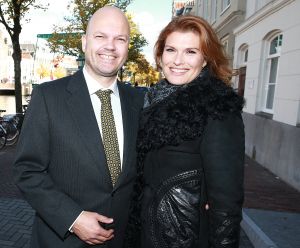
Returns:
<point x="62" y="164"/>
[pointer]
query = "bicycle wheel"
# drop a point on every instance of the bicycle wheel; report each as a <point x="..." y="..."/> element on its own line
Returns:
<point x="12" y="133"/>
<point x="12" y="138"/>
<point x="2" y="138"/>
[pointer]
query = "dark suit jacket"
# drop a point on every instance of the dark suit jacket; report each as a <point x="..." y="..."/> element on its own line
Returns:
<point x="60" y="165"/>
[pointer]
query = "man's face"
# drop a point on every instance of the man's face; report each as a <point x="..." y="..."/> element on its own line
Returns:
<point x="106" y="44"/>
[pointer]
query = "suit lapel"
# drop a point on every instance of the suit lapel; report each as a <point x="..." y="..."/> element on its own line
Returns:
<point x="129" y="116"/>
<point x="80" y="106"/>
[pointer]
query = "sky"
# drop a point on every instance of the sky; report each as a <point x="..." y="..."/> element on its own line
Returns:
<point x="150" y="16"/>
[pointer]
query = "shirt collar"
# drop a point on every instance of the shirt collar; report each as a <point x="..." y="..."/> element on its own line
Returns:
<point x="94" y="86"/>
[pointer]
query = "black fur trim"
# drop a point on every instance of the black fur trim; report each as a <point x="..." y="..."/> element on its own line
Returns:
<point x="183" y="115"/>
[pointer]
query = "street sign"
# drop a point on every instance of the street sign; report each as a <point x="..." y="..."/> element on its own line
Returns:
<point x="44" y="36"/>
<point x="47" y="36"/>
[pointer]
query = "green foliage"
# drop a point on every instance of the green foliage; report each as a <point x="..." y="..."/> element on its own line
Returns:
<point x="67" y="39"/>
<point x="140" y="72"/>
<point x="14" y="11"/>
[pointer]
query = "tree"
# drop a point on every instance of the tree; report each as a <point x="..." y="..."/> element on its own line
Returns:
<point x="43" y="71"/>
<point x="12" y="13"/>
<point x="141" y="72"/>
<point x="59" y="72"/>
<point x="67" y="39"/>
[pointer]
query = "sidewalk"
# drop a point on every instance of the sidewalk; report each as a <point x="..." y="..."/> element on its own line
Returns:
<point x="271" y="209"/>
<point x="16" y="216"/>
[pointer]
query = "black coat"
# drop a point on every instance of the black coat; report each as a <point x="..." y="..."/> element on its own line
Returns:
<point x="60" y="163"/>
<point x="191" y="152"/>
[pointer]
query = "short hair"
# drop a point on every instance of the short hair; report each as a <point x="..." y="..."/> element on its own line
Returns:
<point x="210" y="45"/>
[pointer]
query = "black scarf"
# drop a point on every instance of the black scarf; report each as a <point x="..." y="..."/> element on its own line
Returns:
<point x="163" y="89"/>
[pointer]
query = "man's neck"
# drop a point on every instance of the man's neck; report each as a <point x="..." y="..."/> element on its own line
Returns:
<point x="105" y="82"/>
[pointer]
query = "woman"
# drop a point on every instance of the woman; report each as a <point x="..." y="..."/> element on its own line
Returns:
<point x="190" y="146"/>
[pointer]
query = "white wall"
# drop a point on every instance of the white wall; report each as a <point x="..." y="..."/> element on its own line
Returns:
<point x="254" y="5"/>
<point x="252" y="33"/>
<point x="3" y="53"/>
<point x="27" y="70"/>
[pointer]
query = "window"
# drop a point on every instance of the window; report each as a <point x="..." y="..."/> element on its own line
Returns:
<point x="246" y="56"/>
<point x="187" y="10"/>
<point x="225" y="45"/>
<point x="272" y="61"/>
<point x="225" y="4"/>
<point x="205" y="9"/>
<point x="213" y="10"/>
<point x="224" y="42"/>
<point x="242" y="67"/>
<point x="243" y="55"/>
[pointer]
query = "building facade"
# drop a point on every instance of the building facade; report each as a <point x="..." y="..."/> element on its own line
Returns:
<point x="183" y="7"/>
<point x="4" y="55"/>
<point x="261" y="38"/>
<point x="224" y="16"/>
<point x="267" y="52"/>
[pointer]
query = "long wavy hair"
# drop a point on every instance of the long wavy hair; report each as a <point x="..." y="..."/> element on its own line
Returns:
<point x="210" y="45"/>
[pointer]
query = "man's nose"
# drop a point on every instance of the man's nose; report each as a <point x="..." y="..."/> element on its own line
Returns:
<point x="110" y="44"/>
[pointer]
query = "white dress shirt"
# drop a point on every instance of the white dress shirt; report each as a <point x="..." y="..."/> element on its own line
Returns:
<point x="93" y="87"/>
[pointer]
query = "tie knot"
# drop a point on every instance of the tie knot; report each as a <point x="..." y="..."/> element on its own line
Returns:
<point x="104" y="95"/>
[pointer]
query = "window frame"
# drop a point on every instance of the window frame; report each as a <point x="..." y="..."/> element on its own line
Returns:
<point x="225" y="44"/>
<point x="269" y="63"/>
<point x="205" y="9"/>
<point x="213" y="11"/>
<point x="225" y="5"/>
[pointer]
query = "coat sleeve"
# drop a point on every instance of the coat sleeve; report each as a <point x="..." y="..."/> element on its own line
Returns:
<point x="222" y="150"/>
<point x="31" y="169"/>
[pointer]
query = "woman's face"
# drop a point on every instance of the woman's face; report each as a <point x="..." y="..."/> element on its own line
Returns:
<point x="182" y="59"/>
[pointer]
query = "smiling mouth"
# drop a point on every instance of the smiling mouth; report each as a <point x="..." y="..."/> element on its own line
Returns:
<point x="178" y="70"/>
<point x="107" y="57"/>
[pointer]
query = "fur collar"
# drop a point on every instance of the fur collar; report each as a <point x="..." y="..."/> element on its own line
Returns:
<point x="183" y="115"/>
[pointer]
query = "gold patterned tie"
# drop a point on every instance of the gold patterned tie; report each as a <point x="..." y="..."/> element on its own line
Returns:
<point x="109" y="135"/>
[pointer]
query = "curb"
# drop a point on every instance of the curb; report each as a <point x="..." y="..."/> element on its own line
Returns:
<point x="257" y="237"/>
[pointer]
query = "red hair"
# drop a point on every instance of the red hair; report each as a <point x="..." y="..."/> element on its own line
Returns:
<point x="210" y="45"/>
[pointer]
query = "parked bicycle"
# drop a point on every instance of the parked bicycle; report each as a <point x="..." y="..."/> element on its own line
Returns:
<point x="2" y="137"/>
<point x="10" y="127"/>
<point x="2" y="132"/>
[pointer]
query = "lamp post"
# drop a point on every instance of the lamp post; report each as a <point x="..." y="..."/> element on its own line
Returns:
<point x="80" y="61"/>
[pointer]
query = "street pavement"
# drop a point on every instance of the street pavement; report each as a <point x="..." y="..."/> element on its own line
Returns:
<point x="271" y="209"/>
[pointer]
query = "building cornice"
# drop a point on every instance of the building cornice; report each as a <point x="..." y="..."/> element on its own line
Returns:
<point x="269" y="9"/>
<point x="220" y="26"/>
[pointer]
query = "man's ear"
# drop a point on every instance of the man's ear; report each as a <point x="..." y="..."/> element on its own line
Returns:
<point x="83" y="42"/>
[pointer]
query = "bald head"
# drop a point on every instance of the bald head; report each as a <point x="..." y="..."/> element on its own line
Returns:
<point x="105" y="44"/>
<point x="109" y="14"/>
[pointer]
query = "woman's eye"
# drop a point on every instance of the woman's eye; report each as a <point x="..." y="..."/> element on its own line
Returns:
<point x="169" y="49"/>
<point x="191" y="52"/>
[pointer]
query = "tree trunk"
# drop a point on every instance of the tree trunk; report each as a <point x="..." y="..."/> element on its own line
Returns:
<point x="121" y="74"/>
<point x="17" y="56"/>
